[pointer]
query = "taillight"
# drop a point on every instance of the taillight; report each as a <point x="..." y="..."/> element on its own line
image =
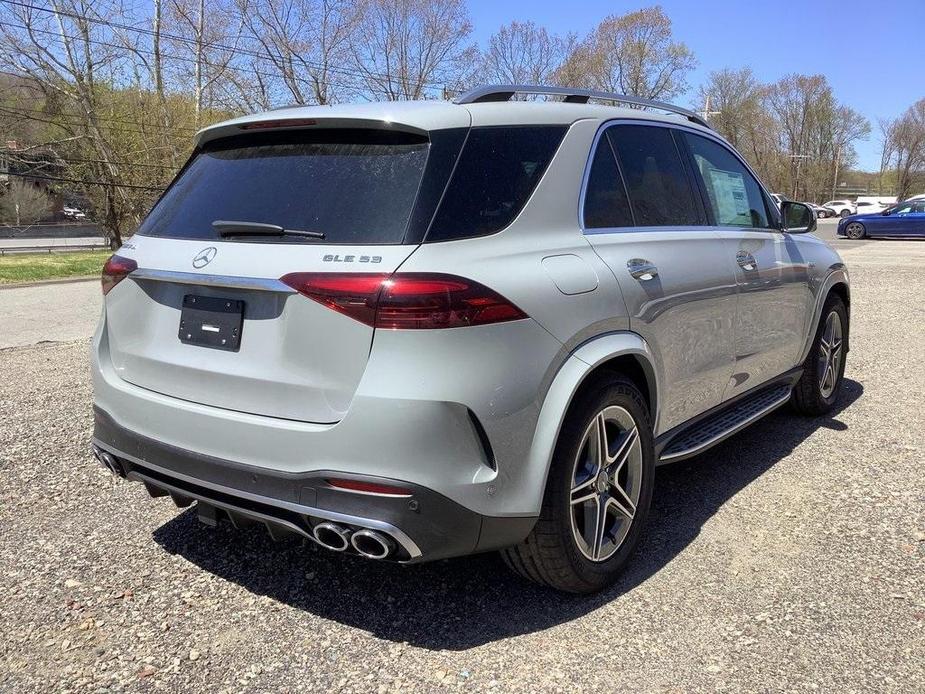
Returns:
<point x="406" y="301"/>
<point x="115" y="270"/>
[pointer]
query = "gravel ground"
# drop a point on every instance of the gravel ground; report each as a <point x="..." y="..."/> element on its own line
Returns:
<point x="790" y="558"/>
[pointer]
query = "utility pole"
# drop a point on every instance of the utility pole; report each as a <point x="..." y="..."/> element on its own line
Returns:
<point x="706" y="112"/>
<point x="796" y="178"/>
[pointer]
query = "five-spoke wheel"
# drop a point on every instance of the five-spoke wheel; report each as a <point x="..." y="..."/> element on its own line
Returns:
<point x="606" y="482"/>
<point x="598" y="493"/>
<point x="830" y="354"/>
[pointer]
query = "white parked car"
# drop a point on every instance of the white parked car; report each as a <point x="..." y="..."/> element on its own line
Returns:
<point x="73" y="213"/>
<point x="842" y="208"/>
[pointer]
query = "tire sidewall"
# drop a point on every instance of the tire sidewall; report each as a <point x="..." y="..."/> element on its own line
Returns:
<point x="833" y="304"/>
<point x="623" y="394"/>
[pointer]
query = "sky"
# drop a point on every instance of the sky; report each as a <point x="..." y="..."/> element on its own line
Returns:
<point x="873" y="53"/>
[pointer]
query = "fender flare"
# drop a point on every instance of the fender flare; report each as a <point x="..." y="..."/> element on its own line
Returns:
<point x="571" y="375"/>
<point x="838" y="275"/>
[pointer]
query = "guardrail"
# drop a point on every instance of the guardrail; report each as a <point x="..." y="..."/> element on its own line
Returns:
<point x="53" y="249"/>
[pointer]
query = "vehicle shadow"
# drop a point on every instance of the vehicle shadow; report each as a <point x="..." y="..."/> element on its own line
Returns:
<point x="461" y="603"/>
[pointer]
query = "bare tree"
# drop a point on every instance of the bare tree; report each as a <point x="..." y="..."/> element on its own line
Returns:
<point x="67" y="52"/>
<point x="523" y="53"/>
<point x="906" y="148"/>
<point x="304" y="42"/>
<point x="23" y="203"/>
<point x="412" y="49"/>
<point x="631" y="54"/>
<point x="209" y="47"/>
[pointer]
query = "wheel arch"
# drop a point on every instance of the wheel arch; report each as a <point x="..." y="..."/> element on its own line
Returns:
<point x="835" y="282"/>
<point x="625" y="353"/>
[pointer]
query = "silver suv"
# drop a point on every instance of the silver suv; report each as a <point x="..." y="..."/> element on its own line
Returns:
<point x="411" y="331"/>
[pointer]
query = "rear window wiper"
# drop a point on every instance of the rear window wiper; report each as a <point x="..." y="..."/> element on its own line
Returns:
<point x="226" y="228"/>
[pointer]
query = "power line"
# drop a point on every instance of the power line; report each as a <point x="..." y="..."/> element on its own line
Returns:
<point x="61" y="122"/>
<point x="17" y="154"/>
<point x="169" y="56"/>
<point x="189" y="41"/>
<point x="81" y="181"/>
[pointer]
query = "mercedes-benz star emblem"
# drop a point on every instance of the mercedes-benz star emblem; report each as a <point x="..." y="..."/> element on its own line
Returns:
<point x="204" y="257"/>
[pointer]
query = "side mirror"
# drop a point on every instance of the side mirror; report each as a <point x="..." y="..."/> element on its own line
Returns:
<point x="885" y="213"/>
<point x="797" y="217"/>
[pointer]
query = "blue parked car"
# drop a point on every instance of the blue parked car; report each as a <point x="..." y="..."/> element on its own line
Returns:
<point x="902" y="219"/>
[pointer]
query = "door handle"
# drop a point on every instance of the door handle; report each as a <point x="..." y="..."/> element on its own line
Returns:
<point x="746" y="261"/>
<point x="641" y="269"/>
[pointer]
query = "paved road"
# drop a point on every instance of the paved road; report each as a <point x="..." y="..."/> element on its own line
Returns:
<point x="49" y="313"/>
<point x="790" y="558"/>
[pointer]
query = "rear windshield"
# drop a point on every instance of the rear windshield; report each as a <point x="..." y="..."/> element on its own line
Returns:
<point x="352" y="186"/>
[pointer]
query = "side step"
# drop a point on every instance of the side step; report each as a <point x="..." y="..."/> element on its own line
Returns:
<point x="710" y="431"/>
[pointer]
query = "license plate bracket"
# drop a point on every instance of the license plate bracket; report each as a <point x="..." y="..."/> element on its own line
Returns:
<point x="211" y="321"/>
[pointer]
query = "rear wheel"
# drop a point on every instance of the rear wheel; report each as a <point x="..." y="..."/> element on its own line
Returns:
<point x="824" y="368"/>
<point x="844" y="213"/>
<point x="855" y="230"/>
<point x="597" y="495"/>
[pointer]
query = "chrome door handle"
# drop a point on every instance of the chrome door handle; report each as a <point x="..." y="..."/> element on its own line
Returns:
<point x="641" y="269"/>
<point x="746" y="261"/>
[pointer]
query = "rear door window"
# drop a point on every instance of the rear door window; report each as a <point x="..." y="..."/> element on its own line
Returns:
<point x="659" y="188"/>
<point x="606" y="205"/>
<point x="733" y="193"/>
<point x="354" y="186"/>
<point x="496" y="173"/>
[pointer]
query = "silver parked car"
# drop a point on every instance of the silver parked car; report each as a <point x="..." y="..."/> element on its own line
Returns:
<point x="411" y="331"/>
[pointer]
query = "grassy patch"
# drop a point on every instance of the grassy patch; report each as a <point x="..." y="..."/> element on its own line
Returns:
<point x="31" y="267"/>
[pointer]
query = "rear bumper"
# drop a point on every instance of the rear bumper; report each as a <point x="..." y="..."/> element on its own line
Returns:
<point x="425" y="525"/>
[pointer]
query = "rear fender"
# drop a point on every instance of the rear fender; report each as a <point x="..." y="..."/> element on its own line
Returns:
<point x="574" y="371"/>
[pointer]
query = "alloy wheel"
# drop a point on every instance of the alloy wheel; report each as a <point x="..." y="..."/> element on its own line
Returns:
<point x="855" y="231"/>
<point x="606" y="483"/>
<point x="830" y="354"/>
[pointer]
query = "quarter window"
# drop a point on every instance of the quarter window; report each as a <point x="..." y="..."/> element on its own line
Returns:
<point x="659" y="188"/>
<point x="733" y="193"/>
<point x="495" y="175"/>
<point x="606" y="205"/>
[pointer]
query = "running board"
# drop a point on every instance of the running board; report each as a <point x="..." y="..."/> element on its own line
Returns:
<point x="718" y="427"/>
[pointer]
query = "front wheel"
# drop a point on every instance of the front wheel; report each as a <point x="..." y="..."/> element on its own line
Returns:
<point x="597" y="494"/>
<point x="824" y="369"/>
<point x="855" y="230"/>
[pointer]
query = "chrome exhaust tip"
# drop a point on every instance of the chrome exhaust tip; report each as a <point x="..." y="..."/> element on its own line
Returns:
<point x="332" y="536"/>
<point x="372" y="544"/>
<point x="108" y="461"/>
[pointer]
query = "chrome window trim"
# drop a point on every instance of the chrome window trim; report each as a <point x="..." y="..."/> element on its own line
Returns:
<point x="635" y="229"/>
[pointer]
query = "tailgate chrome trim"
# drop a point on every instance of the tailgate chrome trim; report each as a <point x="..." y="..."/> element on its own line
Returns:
<point x="263" y="284"/>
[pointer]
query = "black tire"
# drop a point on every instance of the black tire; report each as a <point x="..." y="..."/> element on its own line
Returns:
<point x="855" y="231"/>
<point x="844" y="213"/>
<point x="809" y="396"/>
<point x="551" y="555"/>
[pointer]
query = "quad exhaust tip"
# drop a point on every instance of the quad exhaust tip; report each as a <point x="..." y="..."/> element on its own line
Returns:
<point x="367" y="543"/>
<point x="372" y="544"/>
<point x="332" y="536"/>
<point x="109" y="461"/>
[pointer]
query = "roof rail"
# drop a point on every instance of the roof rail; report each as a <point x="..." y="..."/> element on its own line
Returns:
<point x="504" y="92"/>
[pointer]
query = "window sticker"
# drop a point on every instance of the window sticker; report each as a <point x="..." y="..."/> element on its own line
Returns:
<point x="731" y="198"/>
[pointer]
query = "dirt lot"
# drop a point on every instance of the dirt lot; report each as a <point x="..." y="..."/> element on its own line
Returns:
<point x="790" y="558"/>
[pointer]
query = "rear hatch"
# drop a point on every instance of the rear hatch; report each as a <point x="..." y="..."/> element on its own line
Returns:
<point x="206" y="316"/>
